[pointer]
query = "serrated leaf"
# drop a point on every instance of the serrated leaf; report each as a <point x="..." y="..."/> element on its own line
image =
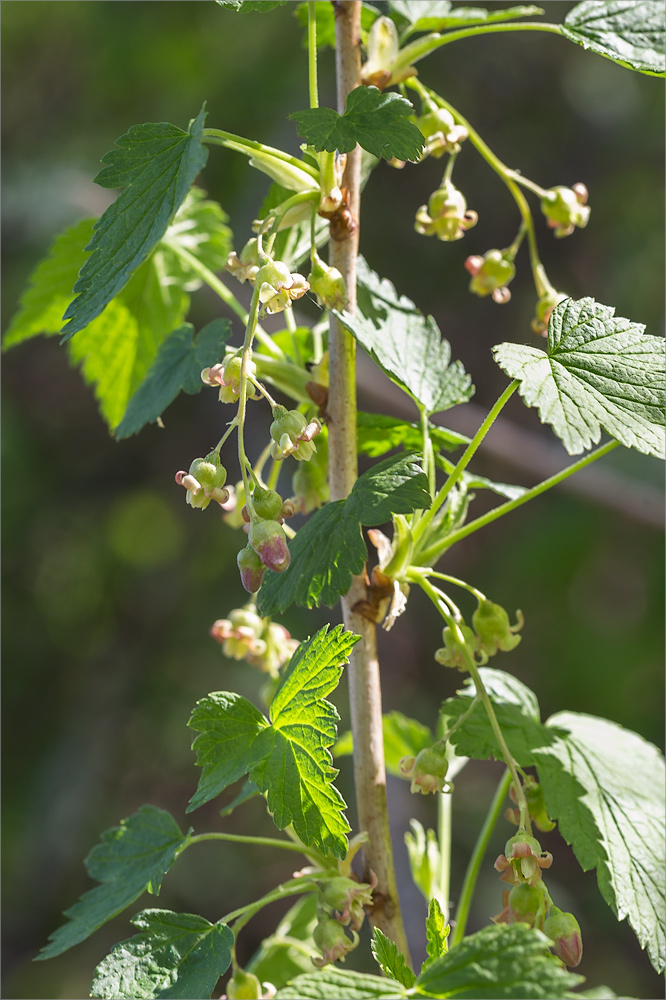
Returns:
<point x="131" y="858"/>
<point x="200" y="227"/>
<point x="377" y="433"/>
<point x="605" y="787"/>
<point x="600" y="372"/>
<point x="437" y="932"/>
<point x="292" y="763"/>
<point x="390" y="959"/>
<point x="503" y="962"/>
<point x="436" y="15"/>
<point x="228" y="725"/>
<point x="177" y="367"/>
<point x="329" y="549"/>
<point x="402" y="737"/>
<point x="155" y="164"/>
<point x="332" y="984"/>
<point x="630" y="32"/>
<point x="406" y="344"/>
<point x="175" y="955"/>
<point x="379" y="122"/>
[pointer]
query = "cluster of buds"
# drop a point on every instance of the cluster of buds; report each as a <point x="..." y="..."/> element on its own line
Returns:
<point x="278" y="287"/>
<point x="227" y="374"/>
<point x="382" y="49"/>
<point x="245" y="635"/>
<point x="204" y="481"/>
<point x="535" y="805"/>
<point x="440" y="132"/>
<point x="267" y="543"/>
<point x="565" y="208"/>
<point x="327" y="283"/>
<point x="491" y="275"/>
<point x="427" y="770"/>
<point x="341" y="903"/>
<point x="292" y="434"/>
<point x="446" y="215"/>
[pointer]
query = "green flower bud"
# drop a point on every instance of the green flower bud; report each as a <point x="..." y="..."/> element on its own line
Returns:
<point x="267" y="503"/>
<point x="427" y="770"/>
<point x="441" y="133"/>
<point x="446" y="215"/>
<point x="491" y="274"/>
<point x="330" y="937"/>
<point x="565" y="208"/>
<point x="328" y="284"/>
<point x="522" y="860"/>
<point x="244" y="986"/>
<point x="204" y="481"/>
<point x="292" y="434"/>
<point x="491" y="624"/>
<point x="564" y="931"/>
<point x="451" y="654"/>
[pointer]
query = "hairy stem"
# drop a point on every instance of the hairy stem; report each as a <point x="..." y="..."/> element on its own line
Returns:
<point x="469" y="883"/>
<point x="364" y="680"/>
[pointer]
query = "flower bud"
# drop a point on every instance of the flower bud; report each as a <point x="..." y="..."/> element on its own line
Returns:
<point x="382" y="48"/>
<point x="522" y="860"/>
<point x="269" y="541"/>
<point x="451" y="654"/>
<point x="346" y="898"/>
<point x="251" y="569"/>
<point x="446" y="215"/>
<point x="491" y="274"/>
<point x="246" y="266"/>
<point x="330" y="937"/>
<point x="544" y="309"/>
<point x="227" y="374"/>
<point x="275" y="649"/>
<point x="204" y="482"/>
<point x="565" y="208"/>
<point x="526" y="902"/>
<point x="491" y="624"/>
<point x="328" y="284"/>
<point x="535" y="804"/>
<point x="278" y="287"/>
<point x="244" y="986"/>
<point x="427" y="770"/>
<point x="563" y="929"/>
<point x="441" y="133"/>
<point x="267" y="503"/>
<point x="292" y="434"/>
<point x="241" y="633"/>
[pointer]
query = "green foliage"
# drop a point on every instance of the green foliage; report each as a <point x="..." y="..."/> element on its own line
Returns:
<point x="502" y="962"/>
<point x="630" y="32"/>
<point x="156" y="164"/>
<point x="280" y="956"/>
<point x="131" y="858"/>
<point x="437" y="15"/>
<point x="288" y="760"/>
<point x="405" y="344"/>
<point x="177" y="367"/>
<point x="402" y="737"/>
<point x="600" y="372"/>
<point x="174" y="956"/>
<point x="391" y="960"/>
<point x="333" y="983"/>
<point x="377" y="434"/>
<point x="424" y="860"/>
<point x="325" y="15"/>
<point x="251" y="6"/>
<point x="379" y="122"/>
<point x="437" y="932"/>
<point x="329" y="549"/>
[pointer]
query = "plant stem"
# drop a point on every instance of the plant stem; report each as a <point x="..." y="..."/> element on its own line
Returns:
<point x="286" y="845"/>
<point x="242" y="401"/>
<point x="364" y="679"/>
<point x="432" y="554"/>
<point x="291" y="888"/>
<point x="464" y="460"/>
<point x="249" y="146"/>
<point x="312" y="54"/>
<point x="423" y="46"/>
<point x="467" y="891"/>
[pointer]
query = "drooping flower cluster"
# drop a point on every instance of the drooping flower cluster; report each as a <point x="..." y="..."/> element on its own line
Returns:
<point x="341" y="903"/>
<point x="446" y="215"/>
<point x="245" y="635"/>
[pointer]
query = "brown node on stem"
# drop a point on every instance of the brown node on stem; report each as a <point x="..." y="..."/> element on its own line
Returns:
<point x="342" y="222"/>
<point x="379" y="594"/>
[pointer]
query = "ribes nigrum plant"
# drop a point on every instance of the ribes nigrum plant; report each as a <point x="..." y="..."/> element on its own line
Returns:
<point x="594" y="377"/>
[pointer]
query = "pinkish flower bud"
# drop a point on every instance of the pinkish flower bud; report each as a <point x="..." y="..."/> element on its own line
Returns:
<point x="491" y="623"/>
<point x="330" y="937"/>
<point x="491" y="274"/>
<point x="269" y="541"/>
<point x="246" y="266"/>
<point x="522" y="860"/>
<point x="278" y="647"/>
<point x="241" y="633"/>
<point x="563" y="929"/>
<point x="346" y="898"/>
<point x="427" y="770"/>
<point x="227" y="374"/>
<point x="251" y="569"/>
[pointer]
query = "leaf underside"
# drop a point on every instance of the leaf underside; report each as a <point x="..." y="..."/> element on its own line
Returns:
<point x="630" y="32"/>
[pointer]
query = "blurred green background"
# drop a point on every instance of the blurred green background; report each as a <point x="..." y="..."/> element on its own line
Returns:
<point x="111" y="582"/>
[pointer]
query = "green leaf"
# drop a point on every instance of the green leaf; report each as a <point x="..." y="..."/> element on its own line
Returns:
<point x="200" y="228"/>
<point x="402" y="737"/>
<point x="424" y="860"/>
<point x="379" y="122"/>
<point x="177" y="367"/>
<point x="247" y="792"/>
<point x="436" y="15"/>
<point x="251" y="6"/>
<point x="391" y="960"/>
<point x="228" y="725"/>
<point x="437" y="932"/>
<point x="175" y="955"/>
<point x="630" y="32"/>
<point x="131" y="858"/>
<point x="605" y="787"/>
<point x="405" y="344"/>
<point x="329" y="549"/>
<point x="377" y="433"/>
<point x="502" y="962"/>
<point x="292" y="763"/>
<point x="332" y="984"/>
<point x="600" y="372"/>
<point x="155" y="164"/>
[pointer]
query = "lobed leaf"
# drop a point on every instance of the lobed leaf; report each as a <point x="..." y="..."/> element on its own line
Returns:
<point x="377" y="121"/>
<point x="630" y="32"/>
<point x="155" y="164"/>
<point x="175" y="955"/>
<point x="600" y="372"/>
<point x="437" y="932"/>
<point x="377" y="433"/>
<point x="391" y="960"/>
<point x="436" y="15"/>
<point x="333" y="983"/>
<point x="405" y="344"/>
<point x="176" y="368"/>
<point x="502" y="962"/>
<point x="131" y="858"/>
<point x="329" y="549"/>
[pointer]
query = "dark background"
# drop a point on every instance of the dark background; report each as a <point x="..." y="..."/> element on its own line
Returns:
<point x="111" y="582"/>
